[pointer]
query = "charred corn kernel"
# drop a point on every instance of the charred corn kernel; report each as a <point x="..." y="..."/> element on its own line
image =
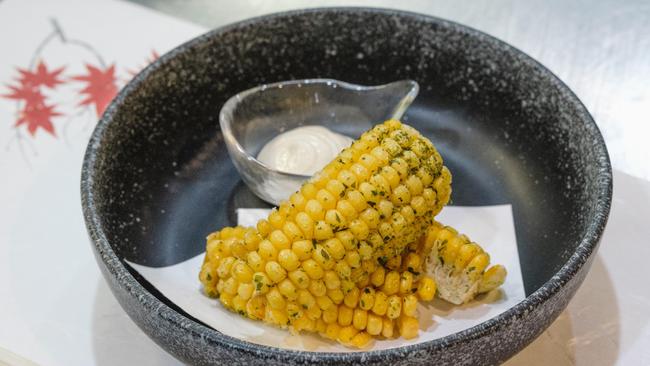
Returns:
<point x="313" y="269"/>
<point x="275" y="299"/>
<point x="387" y="328"/>
<point x="288" y="289"/>
<point x="331" y="314"/>
<point x="245" y="290"/>
<point x="306" y="224"/>
<point x="405" y="283"/>
<point x="322" y="256"/>
<point x="288" y="259"/>
<point x="408" y="327"/>
<point x="378" y="276"/>
<point x="275" y="272"/>
<point x="352" y="298"/>
<point x="409" y="305"/>
<point x="394" y="262"/>
<point x="374" y="324"/>
<point x="412" y="263"/>
<point x="380" y="306"/>
<point x="394" y="307"/>
<point x="346" y="334"/>
<point x="391" y="283"/>
<point x="492" y="278"/>
<point x="345" y="315"/>
<point x="426" y="288"/>
<point x="367" y="298"/>
<point x="299" y="277"/>
<point x="332" y="331"/>
<point x="336" y="295"/>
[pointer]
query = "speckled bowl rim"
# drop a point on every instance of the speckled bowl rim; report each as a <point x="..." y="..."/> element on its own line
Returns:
<point x="588" y="244"/>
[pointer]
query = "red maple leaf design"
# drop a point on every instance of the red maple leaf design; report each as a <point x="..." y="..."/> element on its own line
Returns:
<point x="41" y="77"/>
<point x="26" y="93"/>
<point x="100" y="88"/>
<point x="37" y="116"/>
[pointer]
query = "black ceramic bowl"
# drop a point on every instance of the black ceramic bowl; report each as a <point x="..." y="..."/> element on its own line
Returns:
<point x="156" y="178"/>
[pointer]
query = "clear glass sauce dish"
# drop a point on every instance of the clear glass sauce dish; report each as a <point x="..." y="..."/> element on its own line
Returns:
<point x="253" y="117"/>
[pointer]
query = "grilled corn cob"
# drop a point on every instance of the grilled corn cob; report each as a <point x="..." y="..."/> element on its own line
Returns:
<point x="330" y="259"/>
<point x="458" y="265"/>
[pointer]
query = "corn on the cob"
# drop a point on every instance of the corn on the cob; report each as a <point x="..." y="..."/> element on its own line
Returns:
<point x="458" y="265"/>
<point x="332" y="258"/>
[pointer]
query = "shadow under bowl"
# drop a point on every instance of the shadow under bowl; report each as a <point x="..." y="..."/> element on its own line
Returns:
<point x="157" y="178"/>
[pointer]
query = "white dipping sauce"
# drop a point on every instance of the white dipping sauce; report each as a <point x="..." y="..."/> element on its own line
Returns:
<point x="303" y="150"/>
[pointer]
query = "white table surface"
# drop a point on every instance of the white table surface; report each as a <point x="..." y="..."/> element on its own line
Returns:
<point x="601" y="49"/>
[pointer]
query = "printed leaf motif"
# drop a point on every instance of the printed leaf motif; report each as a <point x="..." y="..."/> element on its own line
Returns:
<point x="28" y="94"/>
<point x="100" y="88"/>
<point x="37" y="116"/>
<point x="42" y="77"/>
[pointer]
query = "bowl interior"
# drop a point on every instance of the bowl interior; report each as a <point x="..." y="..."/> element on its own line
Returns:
<point x="508" y="132"/>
